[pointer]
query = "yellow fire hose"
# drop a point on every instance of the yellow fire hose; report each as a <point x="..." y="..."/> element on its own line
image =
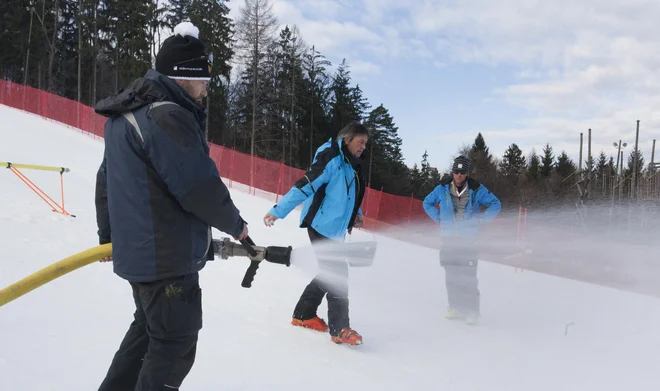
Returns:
<point x="54" y="271"/>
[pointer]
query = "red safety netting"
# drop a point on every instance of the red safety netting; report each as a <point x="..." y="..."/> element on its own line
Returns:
<point x="270" y="178"/>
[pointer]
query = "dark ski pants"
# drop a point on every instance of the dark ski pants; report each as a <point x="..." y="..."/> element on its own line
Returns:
<point x="460" y="262"/>
<point x="332" y="280"/>
<point x="159" y="347"/>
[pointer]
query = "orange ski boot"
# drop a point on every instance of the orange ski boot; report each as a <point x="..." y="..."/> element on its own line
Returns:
<point x="348" y="336"/>
<point x="314" y="323"/>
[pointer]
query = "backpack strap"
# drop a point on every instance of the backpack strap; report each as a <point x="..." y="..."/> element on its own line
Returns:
<point x="130" y="117"/>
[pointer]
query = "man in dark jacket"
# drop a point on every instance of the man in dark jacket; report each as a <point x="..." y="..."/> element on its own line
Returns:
<point x="460" y="199"/>
<point x="331" y="192"/>
<point x="158" y="194"/>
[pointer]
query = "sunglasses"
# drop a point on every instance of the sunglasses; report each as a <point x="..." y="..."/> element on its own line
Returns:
<point x="208" y="57"/>
<point x="462" y="172"/>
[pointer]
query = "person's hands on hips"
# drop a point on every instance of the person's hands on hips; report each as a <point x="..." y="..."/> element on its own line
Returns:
<point x="244" y="233"/>
<point x="269" y="220"/>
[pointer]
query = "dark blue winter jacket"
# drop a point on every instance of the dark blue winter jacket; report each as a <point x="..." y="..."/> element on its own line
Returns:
<point x="331" y="192"/>
<point x="158" y="191"/>
<point x="479" y="196"/>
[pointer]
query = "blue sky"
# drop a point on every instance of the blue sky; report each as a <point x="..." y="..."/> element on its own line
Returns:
<point x="518" y="71"/>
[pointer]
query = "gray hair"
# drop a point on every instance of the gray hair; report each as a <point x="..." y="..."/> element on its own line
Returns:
<point x="351" y="130"/>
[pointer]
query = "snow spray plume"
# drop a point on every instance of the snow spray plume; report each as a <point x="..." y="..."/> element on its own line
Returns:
<point x="330" y="260"/>
<point x="607" y="242"/>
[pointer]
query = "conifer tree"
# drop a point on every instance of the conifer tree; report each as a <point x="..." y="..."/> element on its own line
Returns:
<point x="547" y="161"/>
<point x="534" y="170"/>
<point x="386" y="168"/>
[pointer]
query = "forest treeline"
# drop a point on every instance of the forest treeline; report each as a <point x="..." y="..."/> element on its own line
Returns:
<point x="272" y="93"/>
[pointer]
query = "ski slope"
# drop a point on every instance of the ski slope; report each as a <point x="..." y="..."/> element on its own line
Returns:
<point x="538" y="332"/>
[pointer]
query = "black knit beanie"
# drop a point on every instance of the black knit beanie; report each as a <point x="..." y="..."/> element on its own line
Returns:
<point x="461" y="164"/>
<point x="182" y="55"/>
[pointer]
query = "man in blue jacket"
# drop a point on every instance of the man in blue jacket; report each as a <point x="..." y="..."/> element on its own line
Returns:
<point x="331" y="192"/>
<point x="158" y="193"/>
<point x="460" y="199"/>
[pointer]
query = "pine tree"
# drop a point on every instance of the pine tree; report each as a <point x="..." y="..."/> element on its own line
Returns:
<point x="343" y="108"/>
<point x="479" y="145"/>
<point x="87" y="50"/>
<point x="416" y="181"/>
<point x="124" y="39"/>
<point x="565" y="165"/>
<point x="215" y="30"/>
<point x="424" y="178"/>
<point x="547" y="162"/>
<point x="178" y="12"/>
<point x="631" y="162"/>
<point x="48" y="22"/>
<point x="513" y="162"/>
<point x="590" y="163"/>
<point x="291" y="86"/>
<point x="386" y="168"/>
<point x="483" y="166"/>
<point x="359" y="103"/>
<point x="18" y="26"/>
<point x="66" y="48"/>
<point x="534" y="170"/>
<point x="317" y="96"/>
<point x="601" y="167"/>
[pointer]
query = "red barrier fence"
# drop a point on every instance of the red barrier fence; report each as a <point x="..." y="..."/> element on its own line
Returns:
<point x="380" y="209"/>
<point x="505" y="238"/>
<point x="269" y="176"/>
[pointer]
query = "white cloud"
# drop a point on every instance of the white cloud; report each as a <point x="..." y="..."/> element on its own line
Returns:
<point x="587" y="64"/>
<point x="329" y="27"/>
<point x="592" y="63"/>
<point x="329" y="36"/>
<point x="363" y="69"/>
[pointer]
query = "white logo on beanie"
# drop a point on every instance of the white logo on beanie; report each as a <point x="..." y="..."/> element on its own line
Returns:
<point x="460" y="165"/>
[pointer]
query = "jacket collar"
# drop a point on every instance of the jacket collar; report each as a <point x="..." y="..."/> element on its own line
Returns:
<point x="344" y="152"/>
<point x="152" y="87"/>
<point x="472" y="184"/>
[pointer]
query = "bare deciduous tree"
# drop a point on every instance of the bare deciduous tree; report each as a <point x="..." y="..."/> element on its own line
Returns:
<point x="255" y="28"/>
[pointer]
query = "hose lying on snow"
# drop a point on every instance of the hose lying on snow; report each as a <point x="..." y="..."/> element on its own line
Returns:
<point x="221" y="247"/>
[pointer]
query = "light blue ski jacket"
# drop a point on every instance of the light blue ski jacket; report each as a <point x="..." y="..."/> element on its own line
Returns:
<point x="469" y="226"/>
<point x="331" y="192"/>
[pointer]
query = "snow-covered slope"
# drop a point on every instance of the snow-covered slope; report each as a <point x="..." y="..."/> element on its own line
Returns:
<point x="537" y="333"/>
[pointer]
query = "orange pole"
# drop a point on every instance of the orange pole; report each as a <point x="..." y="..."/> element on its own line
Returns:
<point x="62" y="188"/>
<point x="279" y="183"/>
<point x="42" y="194"/>
<point x="518" y="239"/>
<point x="34" y="188"/>
<point x="231" y="165"/>
<point x="380" y="197"/>
<point x="524" y="234"/>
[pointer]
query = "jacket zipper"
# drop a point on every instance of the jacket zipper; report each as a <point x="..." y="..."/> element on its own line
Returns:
<point x="348" y="191"/>
<point x="467" y="206"/>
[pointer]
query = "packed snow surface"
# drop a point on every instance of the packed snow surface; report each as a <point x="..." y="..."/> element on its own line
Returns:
<point x="537" y="332"/>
